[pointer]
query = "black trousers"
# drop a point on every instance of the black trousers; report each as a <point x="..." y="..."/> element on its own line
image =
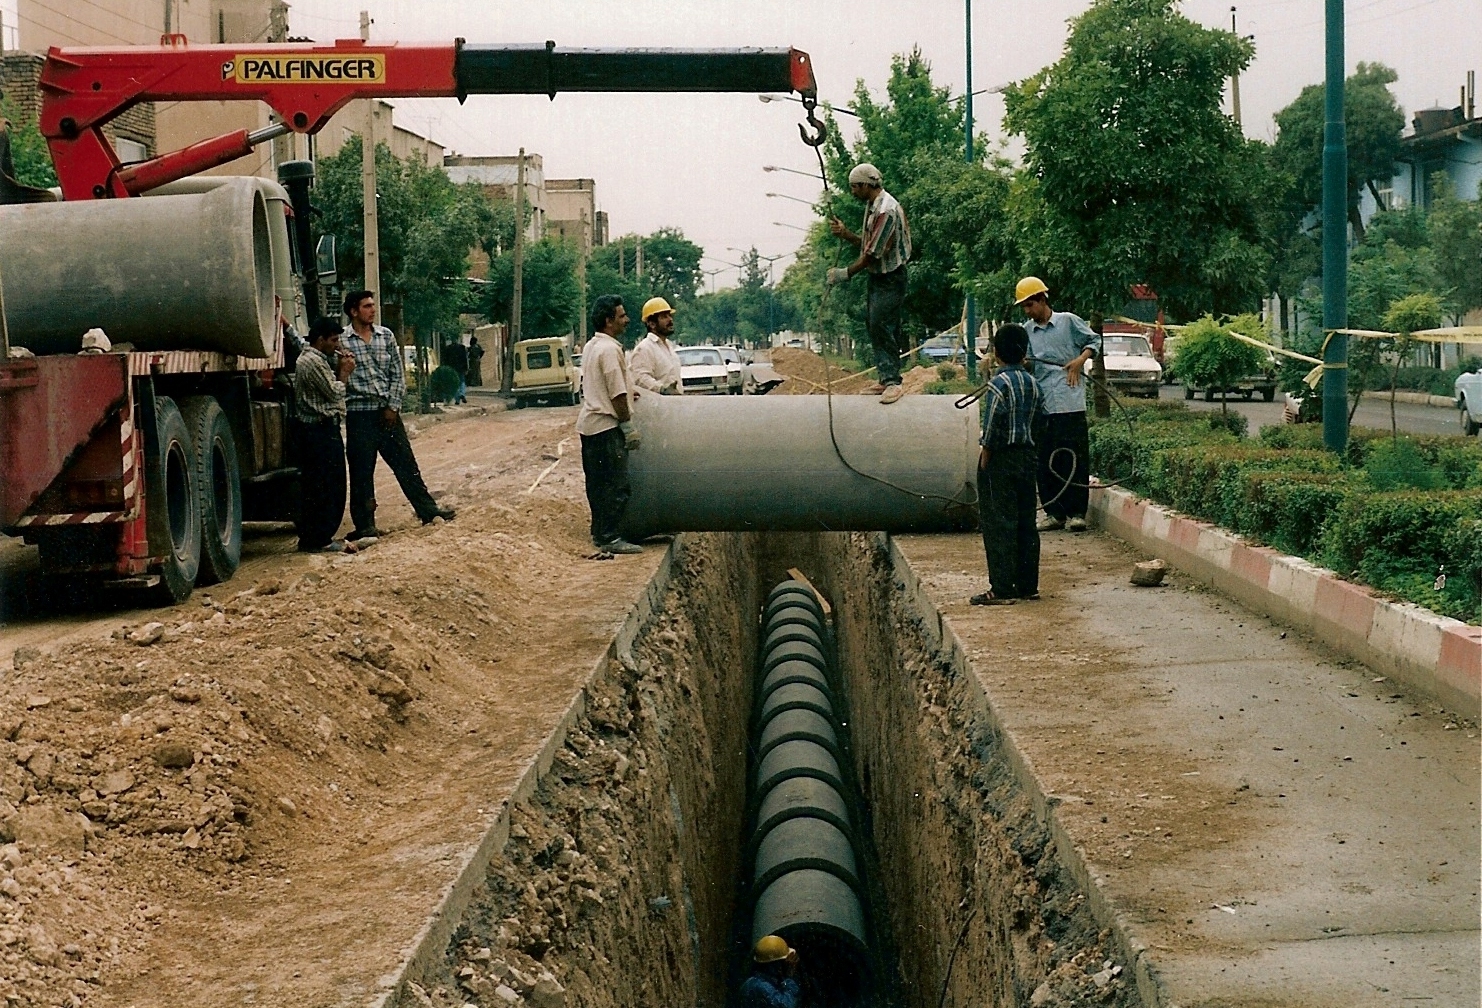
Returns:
<point x="366" y="436"/>
<point x="887" y="294"/>
<point x="604" y="463"/>
<point x="320" y="456"/>
<point x="1068" y="431"/>
<point x="1006" y="507"/>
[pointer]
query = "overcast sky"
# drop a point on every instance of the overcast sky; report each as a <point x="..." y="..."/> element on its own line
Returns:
<point x="696" y="161"/>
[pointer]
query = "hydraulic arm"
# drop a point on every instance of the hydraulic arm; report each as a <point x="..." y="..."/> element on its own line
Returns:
<point x="305" y="84"/>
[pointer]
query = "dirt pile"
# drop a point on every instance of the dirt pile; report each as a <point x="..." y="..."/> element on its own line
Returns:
<point x="201" y="793"/>
<point x="807" y="373"/>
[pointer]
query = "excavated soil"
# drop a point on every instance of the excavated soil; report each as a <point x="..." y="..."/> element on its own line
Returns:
<point x="807" y="373"/>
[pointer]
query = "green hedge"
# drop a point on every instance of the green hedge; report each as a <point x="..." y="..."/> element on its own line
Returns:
<point x="1285" y="491"/>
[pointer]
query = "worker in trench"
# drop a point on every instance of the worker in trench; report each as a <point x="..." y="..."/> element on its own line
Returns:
<point x="373" y="425"/>
<point x="654" y="363"/>
<point x="605" y="424"/>
<point x="884" y="244"/>
<point x="1060" y="343"/>
<point x="1007" y="461"/>
<point x="772" y="983"/>
<point x="319" y="406"/>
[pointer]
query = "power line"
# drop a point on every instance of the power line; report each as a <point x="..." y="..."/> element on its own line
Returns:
<point x="157" y="28"/>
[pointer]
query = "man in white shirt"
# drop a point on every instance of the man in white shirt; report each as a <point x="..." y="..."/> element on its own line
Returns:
<point x="654" y="363"/>
<point x="605" y="424"/>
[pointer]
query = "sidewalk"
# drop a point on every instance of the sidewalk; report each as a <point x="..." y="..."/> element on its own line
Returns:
<point x="1272" y="825"/>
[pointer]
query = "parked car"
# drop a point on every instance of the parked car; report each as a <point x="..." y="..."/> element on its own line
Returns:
<point x="1130" y="365"/>
<point x="703" y="371"/>
<point x="1262" y="381"/>
<point x="1468" y="394"/>
<point x="545" y="369"/>
<point x="943" y="348"/>
<point x="735" y="369"/>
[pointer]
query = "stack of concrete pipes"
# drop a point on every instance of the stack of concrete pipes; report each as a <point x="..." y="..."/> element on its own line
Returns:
<point x="806" y="878"/>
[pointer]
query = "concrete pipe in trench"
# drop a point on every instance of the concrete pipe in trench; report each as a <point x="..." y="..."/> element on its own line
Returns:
<point x="768" y="463"/>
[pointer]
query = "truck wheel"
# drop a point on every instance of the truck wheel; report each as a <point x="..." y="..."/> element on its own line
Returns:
<point x="174" y="504"/>
<point x="219" y="485"/>
<point x="1269" y="394"/>
<point x="1188" y="392"/>
<point x="1209" y="395"/>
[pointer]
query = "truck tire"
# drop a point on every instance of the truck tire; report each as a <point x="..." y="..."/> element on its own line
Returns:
<point x="1188" y="391"/>
<point x="174" y="503"/>
<point x="1269" y="394"/>
<point x="219" y="486"/>
<point x="1209" y="395"/>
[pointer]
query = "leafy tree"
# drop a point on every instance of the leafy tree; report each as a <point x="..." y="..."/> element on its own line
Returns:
<point x="1456" y="241"/>
<point x="550" y="294"/>
<point x="1134" y="174"/>
<point x="1208" y="356"/>
<point x="28" y="149"/>
<point x="1373" y="122"/>
<point x="1407" y="315"/>
<point x="427" y="227"/>
<point x="671" y="270"/>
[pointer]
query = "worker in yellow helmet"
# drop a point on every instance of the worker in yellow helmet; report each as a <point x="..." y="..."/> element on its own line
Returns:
<point x="1060" y="343"/>
<point x="771" y="984"/>
<point x="654" y="364"/>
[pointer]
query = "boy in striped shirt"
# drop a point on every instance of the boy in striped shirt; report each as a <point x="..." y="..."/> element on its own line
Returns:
<point x="1007" y="462"/>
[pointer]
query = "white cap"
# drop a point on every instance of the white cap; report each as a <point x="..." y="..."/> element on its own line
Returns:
<point x="866" y="173"/>
<point x="96" y="341"/>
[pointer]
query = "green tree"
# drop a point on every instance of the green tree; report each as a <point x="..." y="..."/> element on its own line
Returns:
<point x="1456" y="241"/>
<point x="1210" y="357"/>
<point x="1374" y="123"/>
<point x="1134" y="174"/>
<point x="28" y="149"/>
<point x="550" y="294"/>
<point x="1407" y="315"/>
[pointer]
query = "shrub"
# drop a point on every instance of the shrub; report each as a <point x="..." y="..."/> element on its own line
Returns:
<point x="1398" y="465"/>
<point x="1463" y="548"/>
<point x="947" y="372"/>
<point x="1231" y="423"/>
<point x="1290" y="510"/>
<point x="1209" y="358"/>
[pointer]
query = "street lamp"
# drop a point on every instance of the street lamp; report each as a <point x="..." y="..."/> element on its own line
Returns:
<point x="793" y="170"/>
<point x="778" y="195"/>
<point x="778" y="223"/>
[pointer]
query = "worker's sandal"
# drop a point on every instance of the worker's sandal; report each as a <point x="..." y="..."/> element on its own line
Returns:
<point x="1049" y="524"/>
<point x="891" y="394"/>
<point x="1076" y="525"/>
<point x="988" y="598"/>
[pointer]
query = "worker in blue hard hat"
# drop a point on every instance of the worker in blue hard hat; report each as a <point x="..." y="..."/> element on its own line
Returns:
<point x="771" y="984"/>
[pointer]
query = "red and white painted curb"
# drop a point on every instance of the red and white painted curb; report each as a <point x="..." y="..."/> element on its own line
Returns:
<point x="1432" y="654"/>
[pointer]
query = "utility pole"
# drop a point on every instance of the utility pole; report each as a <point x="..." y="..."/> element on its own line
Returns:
<point x="517" y="306"/>
<point x="1235" y="78"/>
<point x="970" y="310"/>
<point x="638" y="261"/>
<point x="1335" y="241"/>
<point x="283" y="146"/>
<point x="368" y="189"/>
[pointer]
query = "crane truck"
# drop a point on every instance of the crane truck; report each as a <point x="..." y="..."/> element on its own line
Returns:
<point x="134" y="460"/>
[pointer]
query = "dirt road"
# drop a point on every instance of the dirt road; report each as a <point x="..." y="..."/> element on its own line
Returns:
<point x="259" y="800"/>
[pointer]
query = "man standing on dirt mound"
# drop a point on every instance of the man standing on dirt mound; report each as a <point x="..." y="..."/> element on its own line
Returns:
<point x="373" y="424"/>
<point x="605" y="424"/>
<point x="1060" y="343"/>
<point x="884" y="249"/>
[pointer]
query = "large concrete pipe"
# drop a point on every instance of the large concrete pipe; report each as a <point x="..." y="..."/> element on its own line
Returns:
<point x="796" y="696"/>
<point x="192" y="271"/>
<point x="796" y="650"/>
<point x="790" y="725"/>
<point x="818" y="913"/>
<point x="787" y="673"/>
<point x="805" y="842"/>
<point x="799" y="758"/>
<point x="803" y="796"/>
<point x="768" y="463"/>
<point x="792" y="592"/>
<point x="788" y="633"/>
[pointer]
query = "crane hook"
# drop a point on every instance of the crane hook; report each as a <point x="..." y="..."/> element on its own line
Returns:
<point x="820" y="134"/>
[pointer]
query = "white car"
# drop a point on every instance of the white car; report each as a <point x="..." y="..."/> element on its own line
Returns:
<point x="1468" y="394"/>
<point x="703" y="371"/>
<point x="1131" y="367"/>
<point x="735" y="369"/>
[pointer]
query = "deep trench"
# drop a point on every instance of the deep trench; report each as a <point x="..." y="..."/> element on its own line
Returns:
<point x="625" y="880"/>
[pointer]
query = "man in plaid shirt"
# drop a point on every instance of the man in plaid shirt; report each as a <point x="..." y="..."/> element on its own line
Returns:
<point x="1007" y="462"/>
<point x="319" y="406"/>
<point x="373" y="426"/>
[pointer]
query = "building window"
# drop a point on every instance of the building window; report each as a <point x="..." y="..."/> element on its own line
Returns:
<point x="1387" y="197"/>
<point x="130" y="150"/>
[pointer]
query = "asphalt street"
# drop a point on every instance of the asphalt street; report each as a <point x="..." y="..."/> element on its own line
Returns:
<point x="1372" y="412"/>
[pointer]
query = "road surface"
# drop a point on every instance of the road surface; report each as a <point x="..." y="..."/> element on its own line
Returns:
<point x="1372" y="412"/>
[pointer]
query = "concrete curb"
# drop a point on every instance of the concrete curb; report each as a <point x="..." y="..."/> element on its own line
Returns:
<point x="432" y="939"/>
<point x="1419" y="398"/>
<point x="938" y="633"/>
<point x="1431" y="654"/>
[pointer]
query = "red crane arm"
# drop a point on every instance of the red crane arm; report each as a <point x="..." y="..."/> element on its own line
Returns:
<point x="305" y="84"/>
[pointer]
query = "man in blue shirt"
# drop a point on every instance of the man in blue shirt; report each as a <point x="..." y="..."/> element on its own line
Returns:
<point x="1006" y="471"/>
<point x="771" y="984"/>
<point x="1059" y="345"/>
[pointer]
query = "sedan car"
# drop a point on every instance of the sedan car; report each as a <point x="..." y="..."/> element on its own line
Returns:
<point x="1131" y="367"/>
<point x="703" y="371"/>
<point x="1468" y="394"/>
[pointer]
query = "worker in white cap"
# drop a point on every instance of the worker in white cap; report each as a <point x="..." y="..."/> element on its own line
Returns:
<point x="884" y="249"/>
<point x="654" y="363"/>
<point x="771" y="984"/>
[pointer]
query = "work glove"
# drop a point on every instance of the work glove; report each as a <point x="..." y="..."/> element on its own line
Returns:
<point x="630" y="435"/>
<point x="837" y="275"/>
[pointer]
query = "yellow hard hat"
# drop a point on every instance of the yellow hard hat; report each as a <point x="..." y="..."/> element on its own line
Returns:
<point x="1023" y="290"/>
<point x="653" y="306"/>
<point x="771" y="949"/>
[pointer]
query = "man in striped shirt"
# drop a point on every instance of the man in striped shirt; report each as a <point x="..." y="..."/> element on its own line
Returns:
<point x="884" y="249"/>
<point x="319" y="406"/>
<point x="373" y="424"/>
<point x="1006" y="475"/>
